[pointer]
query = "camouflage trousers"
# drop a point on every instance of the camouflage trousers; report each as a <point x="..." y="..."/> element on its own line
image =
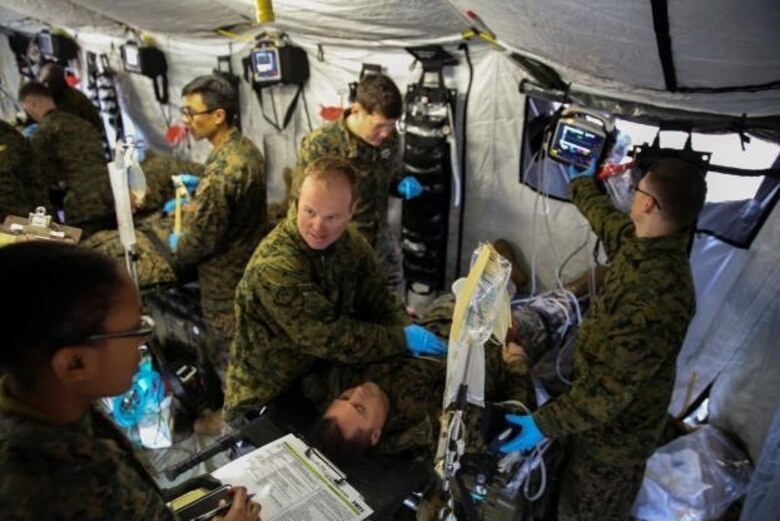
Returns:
<point x="597" y="490"/>
<point x="151" y="265"/>
<point x="390" y="257"/>
<point x="220" y="327"/>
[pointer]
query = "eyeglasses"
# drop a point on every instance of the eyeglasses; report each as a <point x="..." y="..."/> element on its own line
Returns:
<point x="635" y="188"/>
<point x="187" y="112"/>
<point x="144" y="330"/>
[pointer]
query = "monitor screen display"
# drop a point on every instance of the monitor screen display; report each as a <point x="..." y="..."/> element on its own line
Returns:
<point x="265" y="63"/>
<point x="45" y="44"/>
<point x="576" y="144"/>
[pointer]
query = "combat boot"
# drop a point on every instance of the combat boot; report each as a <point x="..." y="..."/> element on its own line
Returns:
<point x="519" y="276"/>
<point x="580" y="286"/>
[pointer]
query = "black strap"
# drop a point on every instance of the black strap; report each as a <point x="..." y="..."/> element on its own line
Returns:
<point x="664" y="41"/>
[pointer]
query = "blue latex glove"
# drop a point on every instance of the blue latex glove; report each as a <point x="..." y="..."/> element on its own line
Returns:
<point x="30" y="130"/>
<point x="173" y="241"/>
<point x="420" y="341"/>
<point x="529" y="436"/>
<point x="409" y="187"/>
<point x="190" y="181"/>
<point x="170" y="205"/>
<point x="574" y="172"/>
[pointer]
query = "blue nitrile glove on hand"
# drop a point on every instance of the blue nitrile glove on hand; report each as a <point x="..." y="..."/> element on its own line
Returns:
<point x="190" y="181"/>
<point x="574" y="172"/>
<point x="170" y="205"/>
<point x="173" y="241"/>
<point x="30" y="130"/>
<point x="420" y="341"/>
<point x="529" y="436"/>
<point x="409" y="187"/>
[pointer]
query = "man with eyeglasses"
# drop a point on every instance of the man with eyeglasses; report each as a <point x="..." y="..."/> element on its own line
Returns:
<point x="626" y="351"/>
<point x="365" y="135"/>
<point x="225" y="220"/>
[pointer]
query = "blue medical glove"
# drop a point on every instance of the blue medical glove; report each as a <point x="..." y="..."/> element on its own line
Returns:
<point x="190" y="181"/>
<point x="409" y="187"/>
<point x="169" y="206"/>
<point x="420" y="341"/>
<point x="529" y="436"/>
<point x="574" y="172"/>
<point x="173" y="241"/>
<point x="30" y="130"/>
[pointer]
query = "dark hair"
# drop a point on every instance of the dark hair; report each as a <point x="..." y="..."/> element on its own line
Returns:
<point x="327" y="436"/>
<point x="53" y="76"/>
<point x="680" y="189"/>
<point x="34" y="88"/>
<point x="328" y="167"/>
<point x="378" y="94"/>
<point x="54" y="295"/>
<point x="217" y="93"/>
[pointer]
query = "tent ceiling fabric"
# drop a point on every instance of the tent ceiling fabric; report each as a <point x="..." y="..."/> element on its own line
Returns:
<point x="604" y="47"/>
<point x="725" y="43"/>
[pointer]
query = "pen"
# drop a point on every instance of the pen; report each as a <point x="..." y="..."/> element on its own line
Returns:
<point x="222" y="509"/>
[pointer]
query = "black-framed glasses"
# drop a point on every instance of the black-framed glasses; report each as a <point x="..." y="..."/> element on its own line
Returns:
<point x="635" y="188"/>
<point x="144" y="330"/>
<point x="189" y="114"/>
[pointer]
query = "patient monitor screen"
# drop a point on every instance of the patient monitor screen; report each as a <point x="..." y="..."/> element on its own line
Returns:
<point x="576" y="144"/>
<point x="265" y="64"/>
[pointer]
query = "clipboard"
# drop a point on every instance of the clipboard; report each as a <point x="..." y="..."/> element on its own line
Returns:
<point x="292" y="480"/>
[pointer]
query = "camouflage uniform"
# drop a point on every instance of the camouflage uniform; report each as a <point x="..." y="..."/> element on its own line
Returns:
<point x="21" y="189"/>
<point x="153" y="264"/>
<point x="75" y="102"/>
<point x="295" y="305"/>
<point x="415" y="388"/>
<point x="86" y="470"/>
<point x="376" y="168"/>
<point x="69" y="150"/>
<point x="221" y="233"/>
<point x="624" y="365"/>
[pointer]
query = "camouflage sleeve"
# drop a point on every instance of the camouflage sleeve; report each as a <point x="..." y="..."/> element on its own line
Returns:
<point x="608" y="223"/>
<point x="317" y="327"/>
<point x="375" y="298"/>
<point x="204" y="228"/>
<point x="310" y="150"/>
<point x="612" y="376"/>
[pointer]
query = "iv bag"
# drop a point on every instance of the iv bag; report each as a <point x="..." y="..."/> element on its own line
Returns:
<point x="481" y="309"/>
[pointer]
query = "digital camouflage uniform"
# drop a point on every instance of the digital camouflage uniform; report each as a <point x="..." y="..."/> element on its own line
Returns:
<point x="222" y="231"/>
<point x="69" y="151"/>
<point x="415" y="388"/>
<point x="295" y="305"/>
<point x="624" y="363"/>
<point x="376" y="168"/>
<point x="75" y="102"/>
<point x="154" y="263"/>
<point x="21" y="190"/>
<point x="83" y="471"/>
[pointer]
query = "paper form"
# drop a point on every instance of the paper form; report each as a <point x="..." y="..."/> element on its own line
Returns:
<point x="294" y="483"/>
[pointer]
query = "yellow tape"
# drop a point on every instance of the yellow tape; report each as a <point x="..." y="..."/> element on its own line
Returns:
<point x="464" y="297"/>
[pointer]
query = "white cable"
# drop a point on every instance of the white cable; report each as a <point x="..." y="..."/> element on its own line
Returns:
<point x="456" y="194"/>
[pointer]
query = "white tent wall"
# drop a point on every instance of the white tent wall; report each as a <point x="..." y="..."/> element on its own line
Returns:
<point x="733" y="337"/>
